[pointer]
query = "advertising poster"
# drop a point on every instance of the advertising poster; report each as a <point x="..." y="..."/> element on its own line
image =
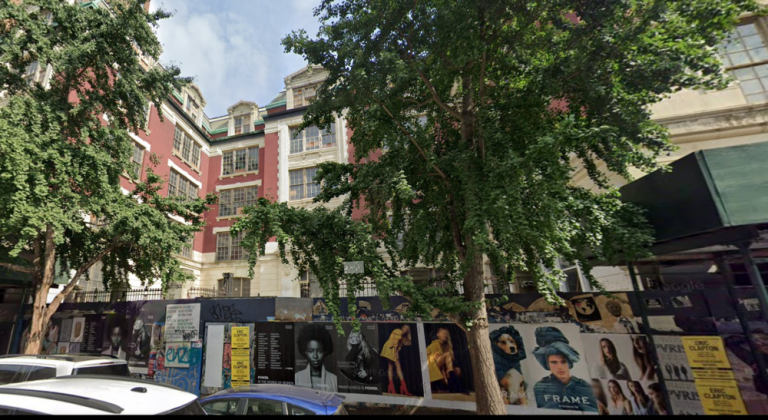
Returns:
<point x="358" y="360"/>
<point x="601" y="314"/>
<point x="754" y="391"/>
<point x="78" y="328"/>
<point x="112" y="333"/>
<point x="684" y="398"/>
<point x="509" y="351"/>
<point x="618" y="397"/>
<point x="273" y="353"/>
<point x="182" y="322"/>
<point x="63" y="348"/>
<point x="316" y="354"/>
<point x="399" y="360"/>
<point x="619" y="356"/>
<point x="241" y="356"/>
<point x="556" y="369"/>
<point x="293" y="309"/>
<point x="66" y="330"/>
<point x="673" y="361"/>
<point x="177" y="354"/>
<point x="139" y="345"/>
<point x="720" y="397"/>
<point x="74" y="348"/>
<point x="450" y="370"/>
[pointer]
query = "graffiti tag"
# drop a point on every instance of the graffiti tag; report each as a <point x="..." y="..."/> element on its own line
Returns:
<point x="226" y="313"/>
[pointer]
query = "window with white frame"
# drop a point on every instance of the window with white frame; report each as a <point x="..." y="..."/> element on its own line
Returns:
<point x="241" y="160"/>
<point x="302" y="183"/>
<point x="232" y="201"/>
<point x="137" y="161"/>
<point x="243" y="124"/>
<point x="573" y="276"/>
<point x="192" y="107"/>
<point x="303" y="95"/>
<point x="186" y="249"/>
<point x="179" y="186"/>
<point x="745" y="55"/>
<point x="312" y="138"/>
<point x="186" y="148"/>
<point x="228" y="248"/>
<point x="236" y="287"/>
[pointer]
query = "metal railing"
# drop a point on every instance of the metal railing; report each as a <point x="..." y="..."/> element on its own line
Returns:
<point x="202" y="292"/>
<point x="117" y="295"/>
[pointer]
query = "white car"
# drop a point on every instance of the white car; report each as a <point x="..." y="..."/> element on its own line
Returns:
<point x="24" y="367"/>
<point x="96" y="394"/>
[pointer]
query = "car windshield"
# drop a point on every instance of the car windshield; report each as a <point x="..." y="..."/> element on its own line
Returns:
<point x="117" y="370"/>
<point x="189" y="409"/>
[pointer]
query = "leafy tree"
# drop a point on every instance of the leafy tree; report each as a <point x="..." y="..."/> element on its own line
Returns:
<point x="60" y="162"/>
<point x="517" y="94"/>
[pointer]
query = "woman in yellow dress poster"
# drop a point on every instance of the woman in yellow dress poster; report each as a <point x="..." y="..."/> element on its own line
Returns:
<point x="399" y="338"/>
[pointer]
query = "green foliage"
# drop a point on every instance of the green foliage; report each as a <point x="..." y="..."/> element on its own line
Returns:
<point x="517" y="95"/>
<point x="60" y="161"/>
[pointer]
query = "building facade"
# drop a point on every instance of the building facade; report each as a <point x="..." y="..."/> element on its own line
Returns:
<point x="256" y="151"/>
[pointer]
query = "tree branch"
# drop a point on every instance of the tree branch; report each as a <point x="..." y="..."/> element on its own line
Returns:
<point x="418" y="147"/>
<point x="436" y="97"/>
<point x="19" y="268"/>
<point x="83" y="268"/>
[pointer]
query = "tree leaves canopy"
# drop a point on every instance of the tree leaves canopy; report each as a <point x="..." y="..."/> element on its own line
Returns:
<point x="63" y="147"/>
<point x="517" y="95"/>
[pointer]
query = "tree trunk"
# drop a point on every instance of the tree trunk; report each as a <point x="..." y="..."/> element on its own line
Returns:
<point x="36" y="329"/>
<point x="43" y="281"/>
<point x="487" y="390"/>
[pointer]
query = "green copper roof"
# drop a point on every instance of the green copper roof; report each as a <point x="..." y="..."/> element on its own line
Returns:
<point x="178" y="96"/>
<point x="275" y="104"/>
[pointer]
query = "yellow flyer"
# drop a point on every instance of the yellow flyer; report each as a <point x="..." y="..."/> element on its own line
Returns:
<point x="720" y="397"/>
<point x="241" y="368"/>
<point x="240" y="337"/>
<point x="706" y="352"/>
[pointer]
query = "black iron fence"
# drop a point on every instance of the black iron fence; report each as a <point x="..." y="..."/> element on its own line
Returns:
<point x="131" y="295"/>
<point x="202" y="292"/>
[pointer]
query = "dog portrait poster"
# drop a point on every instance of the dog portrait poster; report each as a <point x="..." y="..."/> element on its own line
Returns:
<point x="508" y="351"/>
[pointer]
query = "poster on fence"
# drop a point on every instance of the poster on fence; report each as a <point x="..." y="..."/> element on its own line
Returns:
<point x="273" y="352"/>
<point x="720" y="397"/>
<point x="182" y="322"/>
<point x="177" y="354"/>
<point x="316" y="365"/>
<point x="241" y="356"/>
<point x="358" y="360"/>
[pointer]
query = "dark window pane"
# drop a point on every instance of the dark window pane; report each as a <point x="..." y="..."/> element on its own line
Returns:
<point x="268" y="407"/>
<point x="39" y="372"/>
<point x="221" y="407"/>
<point x="295" y="410"/>
<point x="11" y="374"/>
<point x="118" y="370"/>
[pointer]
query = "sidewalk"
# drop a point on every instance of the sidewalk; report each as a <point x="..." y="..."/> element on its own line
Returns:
<point x="362" y="409"/>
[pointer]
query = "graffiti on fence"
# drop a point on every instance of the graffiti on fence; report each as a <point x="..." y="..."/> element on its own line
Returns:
<point x="177" y="354"/>
<point x="225" y="313"/>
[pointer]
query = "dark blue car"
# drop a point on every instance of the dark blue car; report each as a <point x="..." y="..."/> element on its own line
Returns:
<point x="273" y="400"/>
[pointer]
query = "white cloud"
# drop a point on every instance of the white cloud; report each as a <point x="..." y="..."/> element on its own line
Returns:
<point x="232" y="47"/>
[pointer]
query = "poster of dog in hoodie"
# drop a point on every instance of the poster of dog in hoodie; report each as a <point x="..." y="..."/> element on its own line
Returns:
<point x="542" y="366"/>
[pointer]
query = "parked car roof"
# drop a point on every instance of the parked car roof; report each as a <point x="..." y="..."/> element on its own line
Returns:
<point x="91" y="394"/>
<point x="78" y="359"/>
<point x="315" y="400"/>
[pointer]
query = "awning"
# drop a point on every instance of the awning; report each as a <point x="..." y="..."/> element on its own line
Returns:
<point x="711" y="197"/>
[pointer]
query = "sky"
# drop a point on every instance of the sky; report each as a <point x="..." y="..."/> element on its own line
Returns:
<point x="232" y="47"/>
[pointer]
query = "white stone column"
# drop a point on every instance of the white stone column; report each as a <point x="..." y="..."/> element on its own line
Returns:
<point x="283" y="149"/>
